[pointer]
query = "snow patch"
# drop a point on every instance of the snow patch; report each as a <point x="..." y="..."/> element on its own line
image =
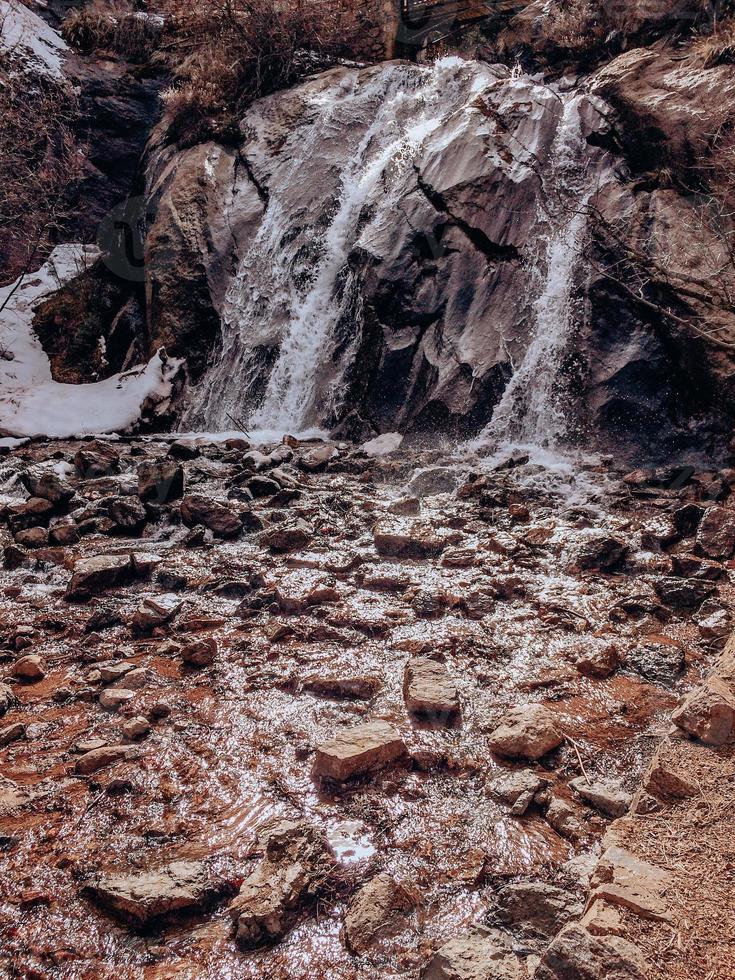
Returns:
<point x="24" y="34"/>
<point x="31" y="402"/>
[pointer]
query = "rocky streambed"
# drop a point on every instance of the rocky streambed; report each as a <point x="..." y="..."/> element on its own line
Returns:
<point x="296" y="711"/>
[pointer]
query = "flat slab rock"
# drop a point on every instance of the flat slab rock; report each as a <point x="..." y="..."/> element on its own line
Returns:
<point x="93" y="575"/>
<point x="575" y="953"/>
<point x="355" y="751"/>
<point x="149" y="895"/>
<point x="429" y="690"/>
<point x="526" y="732"/>
<point x="482" y="954"/>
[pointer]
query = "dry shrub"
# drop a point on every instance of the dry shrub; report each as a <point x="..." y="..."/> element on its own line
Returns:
<point x="574" y="25"/>
<point x="719" y="47"/>
<point x="120" y="30"/>
<point x="223" y="54"/>
<point x="39" y="165"/>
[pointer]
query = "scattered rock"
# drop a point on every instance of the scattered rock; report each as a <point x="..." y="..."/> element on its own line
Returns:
<point x="106" y="755"/>
<point x="601" y="552"/>
<point x="363" y="687"/>
<point x="33" y="537"/>
<point x="598" y="660"/>
<point x="517" y="790"/>
<point x="665" y="779"/>
<point x="708" y="713"/>
<point x="217" y="517"/>
<point x="288" y="537"/>
<point x="29" y="668"/>
<point x="359" y="750"/>
<point x="147" y="896"/>
<point x="482" y="954"/>
<point x="526" y="732"/>
<point x="609" y="799"/>
<point x="200" y="653"/>
<point x="7" y="699"/>
<point x="316" y="459"/>
<point x="431" y="482"/>
<point x="683" y="593"/>
<point x="378" y="908"/>
<point x="291" y="875"/>
<point x="565" y="819"/>
<point x="716" y="534"/>
<point x="658" y="662"/>
<point x="115" y="697"/>
<point x="575" y="954"/>
<point x="12" y="733"/>
<point x="96" y="459"/>
<point x="152" y="614"/>
<point x="47" y="485"/>
<point x="621" y="879"/>
<point x="64" y="534"/>
<point x="128" y="515"/>
<point x="160" y="481"/>
<point x="429" y="691"/>
<point x="537" y="908"/>
<point x="94" y="575"/>
<point x="414" y="540"/>
<point x="136" y="728"/>
<point x="405" y="507"/>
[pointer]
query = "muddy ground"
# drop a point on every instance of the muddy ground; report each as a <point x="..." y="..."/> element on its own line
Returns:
<point x="603" y="604"/>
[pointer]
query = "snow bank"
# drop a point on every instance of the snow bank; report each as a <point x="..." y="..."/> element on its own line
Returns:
<point x="36" y="46"/>
<point x="31" y="402"/>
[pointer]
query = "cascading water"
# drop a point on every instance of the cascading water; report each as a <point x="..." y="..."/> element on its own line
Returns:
<point x="532" y="411"/>
<point x="294" y="286"/>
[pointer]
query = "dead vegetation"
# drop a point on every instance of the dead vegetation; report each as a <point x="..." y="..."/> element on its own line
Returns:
<point x="112" y="27"/>
<point x="223" y="54"/>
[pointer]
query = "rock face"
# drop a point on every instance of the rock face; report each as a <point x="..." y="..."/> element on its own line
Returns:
<point x="359" y="750"/>
<point x="526" y="733"/>
<point x="292" y="873"/>
<point x="145" y="897"/>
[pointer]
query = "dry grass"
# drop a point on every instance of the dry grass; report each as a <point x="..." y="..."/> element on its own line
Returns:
<point x="717" y="48"/>
<point x="222" y="54"/>
<point x="115" y="28"/>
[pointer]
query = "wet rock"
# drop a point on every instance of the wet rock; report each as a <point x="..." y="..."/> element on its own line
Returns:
<point x="404" y="540"/>
<point x="291" y="875"/>
<point x="659" y="533"/>
<point x="160" y="481"/>
<point x="429" y="691"/>
<point x="96" y="459"/>
<point x="106" y="755"/>
<point x="536" y="908"/>
<point x="316" y="459"/>
<point x="405" y="507"/>
<point x="686" y="519"/>
<point x="199" y="653"/>
<point x="482" y="954"/>
<point x="147" y="896"/>
<point x="625" y="881"/>
<point x="708" y="713"/>
<point x="431" y="482"/>
<point x="64" y="534"/>
<point x="609" y="799"/>
<point x="127" y="514"/>
<point x="517" y="790"/>
<point x="715" y="627"/>
<point x="152" y="614"/>
<point x="660" y="663"/>
<point x="12" y="733"/>
<point x="217" y="517"/>
<point x="716" y="534"/>
<point x="287" y="537"/>
<point x="378" y="908"/>
<point x="136" y="728"/>
<point x="459" y="558"/>
<point x="527" y="732"/>
<point x="565" y="819"/>
<point x="34" y="512"/>
<point x="47" y="485"/>
<point x="692" y="566"/>
<point x="262" y="486"/>
<point x="683" y="593"/>
<point x="111" y="672"/>
<point x="598" y="660"/>
<point x="115" y="697"/>
<point x="665" y="777"/>
<point x="14" y="557"/>
<point x="33" y="537"/>
<point x="575" y="954"/>
<point x="601" y="552"/>
<point x="302" y="588"/>
<point x="7" y="699"/>
<point x="94" y="575"/>
<point x="356" y="751"/>
<point x="29" y="668"/>
<point x="184" y="449"/>
<point x="361" y="688"/>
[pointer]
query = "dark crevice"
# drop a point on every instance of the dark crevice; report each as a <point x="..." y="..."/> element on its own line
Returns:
<point x="263" y="193"/>
<point x="492" y="250"/>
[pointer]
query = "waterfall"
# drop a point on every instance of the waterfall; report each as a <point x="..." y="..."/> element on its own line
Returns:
<point x="294" y="288"/>
<point x="532" y="410"/>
